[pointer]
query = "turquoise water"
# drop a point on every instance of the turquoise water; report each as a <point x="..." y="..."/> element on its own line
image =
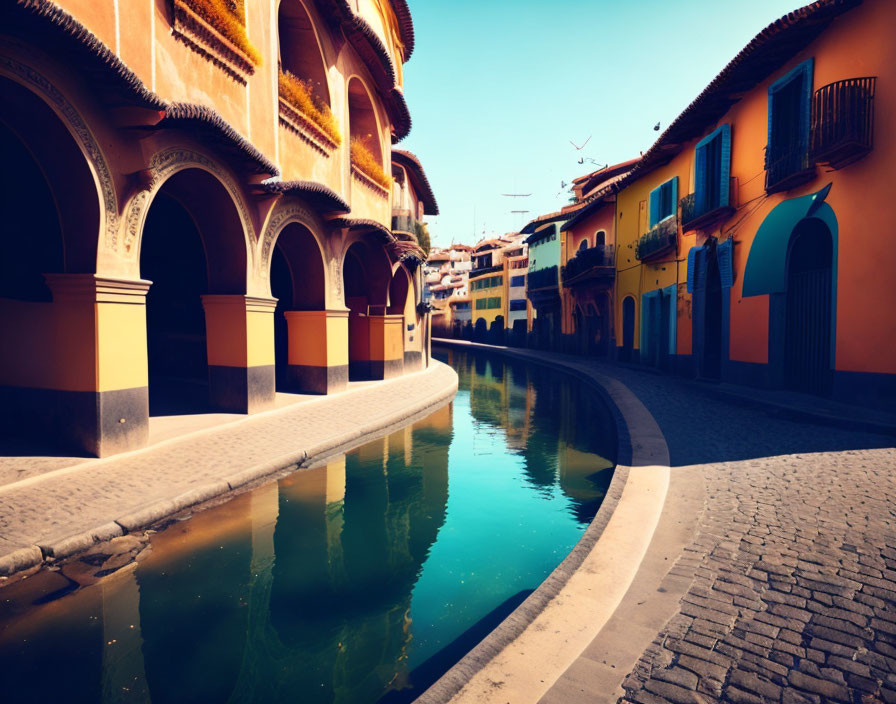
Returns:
<point x="361" y="580"/>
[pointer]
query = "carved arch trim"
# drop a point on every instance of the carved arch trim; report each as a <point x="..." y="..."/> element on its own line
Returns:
<point x="46" y="90"/>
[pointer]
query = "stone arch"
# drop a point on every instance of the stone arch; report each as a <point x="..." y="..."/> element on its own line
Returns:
<point x="366" y="272"/>
<point x="193" y="247"/>
<point x="70" y="159"/>
<point x="363" y="120"/>
<point x="165" y="166"/>
<point x="297" y="213"/>
<point x="300" y="49"/>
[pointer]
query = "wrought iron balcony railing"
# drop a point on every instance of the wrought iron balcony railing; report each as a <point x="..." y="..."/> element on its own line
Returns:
<point x="843" y="122"/>
<point x="594" y="258"/>
<point x="402" y="222"/>
<point x="787" y="167"/>
<point x="694" y="215"/>
<point x="543" y="278"/>
<point x="660" y="240"/>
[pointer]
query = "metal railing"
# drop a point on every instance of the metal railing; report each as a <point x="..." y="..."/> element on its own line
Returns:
<point x="543" y="278"/>
<point x="659" y="240"/>
<point x="587" y="259"/>
<point x="694" y="215"/>
<point x="787" y="167"/>
<point x="843" y="121"/>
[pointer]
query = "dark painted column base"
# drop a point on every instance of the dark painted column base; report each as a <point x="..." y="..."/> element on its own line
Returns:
<point x="241" y="389"/>
<point x="305" y="379"/>
<point x="386" y="369"/>
<point x="95" y="423"/>
<point x="413" y="361"/>
<point x="359" y="370"/>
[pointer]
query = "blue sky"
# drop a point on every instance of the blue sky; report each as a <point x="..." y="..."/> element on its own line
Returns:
<point x="497" y="88"/>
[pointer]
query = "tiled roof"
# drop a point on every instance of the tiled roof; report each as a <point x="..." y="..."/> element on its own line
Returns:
<point x="405" y="26"/>
<point x="207" y="122"/>
<point x="319" y="195"/>
<point x="766" y="52"/>
<point x="418" y="176"/>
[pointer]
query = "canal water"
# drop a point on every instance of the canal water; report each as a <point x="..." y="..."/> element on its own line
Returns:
<point x="362" y="580"/>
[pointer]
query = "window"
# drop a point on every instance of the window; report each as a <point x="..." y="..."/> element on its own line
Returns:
<point x="713" y="172"/>
<point x="518" y="280"/>
<point x="480" y="303"/>
<point x="789" y="112"/>
<point x="663" y="201"/>
<point x="518" y="304"/>
<point x="494" y="303"/>
<point x="600" y="238"/>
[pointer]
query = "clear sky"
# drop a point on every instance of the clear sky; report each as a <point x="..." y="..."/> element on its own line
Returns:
<point x="498" y="88"/>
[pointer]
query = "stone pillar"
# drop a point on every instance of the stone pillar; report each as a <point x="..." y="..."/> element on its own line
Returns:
<point x="240" y="342"/>
<point x="317" y="357"/>
<point x="97" y="396"/>
<point x="386" y="346"/>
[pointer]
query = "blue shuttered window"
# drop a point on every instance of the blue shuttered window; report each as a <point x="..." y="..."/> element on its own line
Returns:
<point x="789" y="115"/>
<point x="712" y="177"/>
<point x="724" y="253"/>
<point x="692" y="268"/>
<point x="663" y="201"/>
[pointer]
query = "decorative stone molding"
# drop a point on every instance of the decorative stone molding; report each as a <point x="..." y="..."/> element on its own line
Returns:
<point x="296" y="122"/>
<point x="165" y="164"/>
<point x="90" y="288"/>
<point x="280" y="219"/>
<point x="204" y="39"/>
<point x="41" y="85"/>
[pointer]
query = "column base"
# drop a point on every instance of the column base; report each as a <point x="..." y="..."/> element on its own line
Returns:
<point x="413" y="361"/>
<point x="97" y="423"/>
<point x="241" y="389"/>
<point x="307" y="379"/>
<point x="386" y="368"/>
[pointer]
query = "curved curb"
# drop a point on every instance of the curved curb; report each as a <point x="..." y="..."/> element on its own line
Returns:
<point x="522" y="658"/>
<point x="57" y="548"/>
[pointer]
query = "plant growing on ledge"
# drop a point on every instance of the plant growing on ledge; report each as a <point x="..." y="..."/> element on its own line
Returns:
<point x="422" y="232"/>
<point x="226" y="16"/>
<point x="298" y="94"/>
<point x="366" y="163"/>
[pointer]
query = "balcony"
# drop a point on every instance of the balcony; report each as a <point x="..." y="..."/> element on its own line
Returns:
<point x="694" y="217"/>
<point x="485" y="269"/>
<point x="588" y="264"/>
<point x="402" y="221"/>
<point x="659" y="241"/>
<point x="787" y="168"/>
<point x="543" y="278"/>
<point x="842" y="122"/>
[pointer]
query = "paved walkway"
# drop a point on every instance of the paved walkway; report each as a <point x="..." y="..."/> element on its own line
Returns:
<point x="789" y="559"/>
<point x="60" y="507"/>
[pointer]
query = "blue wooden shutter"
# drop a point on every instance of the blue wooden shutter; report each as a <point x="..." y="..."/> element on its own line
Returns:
<point x="700" y="179"/>
<point x="654" y="205"/>
<point x="672" y="292"/>
<point x="692" y="268"/>
<point x="725" y="166"/>
<point x="674" y="196"/>
<point x="726" y="265"/>
<point x="700" y="278"/>
<point x="644" y="346"/>
<point x="806" y="104"/>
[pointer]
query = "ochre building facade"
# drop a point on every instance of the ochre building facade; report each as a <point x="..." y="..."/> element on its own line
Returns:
<point x="203" y="209"/>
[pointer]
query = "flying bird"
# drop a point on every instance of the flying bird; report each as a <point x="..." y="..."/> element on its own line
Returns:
<point x="578" y="148"/>
<point x="656" y="127"/>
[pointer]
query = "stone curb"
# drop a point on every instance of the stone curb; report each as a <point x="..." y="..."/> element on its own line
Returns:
<point x="640" y="450"/>
<point x="58" y="548"/>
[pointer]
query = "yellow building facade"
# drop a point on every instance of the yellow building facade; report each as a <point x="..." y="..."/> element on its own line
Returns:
<point x="209" y="206"/>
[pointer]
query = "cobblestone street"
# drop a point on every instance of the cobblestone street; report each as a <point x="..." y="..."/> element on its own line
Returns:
<point x="793" y="563"/>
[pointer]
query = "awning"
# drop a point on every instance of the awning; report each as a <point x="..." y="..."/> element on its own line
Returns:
<point x="766" y="270"/>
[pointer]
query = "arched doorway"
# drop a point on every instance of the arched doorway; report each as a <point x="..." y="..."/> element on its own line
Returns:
<point x="480" y="330"/>
<point x="366" y="277"/>
<point x="51" y="223"/>
<point x="628" y="328"/>
<point x="807" y="348"/>
<point x="192" y="246"/>
<point x="298" y="284"/>
<point x="712" y="318"/>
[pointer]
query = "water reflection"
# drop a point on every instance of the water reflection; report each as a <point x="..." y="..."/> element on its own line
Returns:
<point x="361" y="579"/>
